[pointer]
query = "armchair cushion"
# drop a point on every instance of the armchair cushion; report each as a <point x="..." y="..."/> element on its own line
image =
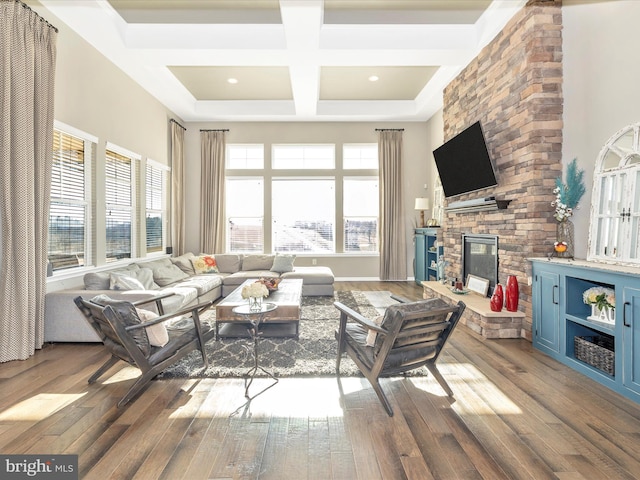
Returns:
<point x="158" y="335"/>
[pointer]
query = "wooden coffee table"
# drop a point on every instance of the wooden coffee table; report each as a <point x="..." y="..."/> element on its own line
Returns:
<point x="284" y="321"/>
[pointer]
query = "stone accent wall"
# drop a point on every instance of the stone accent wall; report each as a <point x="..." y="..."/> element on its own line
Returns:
<point x="514" y="87"/>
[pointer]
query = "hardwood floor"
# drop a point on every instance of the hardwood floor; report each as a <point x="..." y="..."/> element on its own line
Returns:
<point x="516" y="414"/>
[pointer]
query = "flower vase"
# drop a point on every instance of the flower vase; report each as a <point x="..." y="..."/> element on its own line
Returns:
<point x="512" y="294"/>
<point x="564" y="233"/>
<point x="497" y="299"/>
<point x="255" y="304"/>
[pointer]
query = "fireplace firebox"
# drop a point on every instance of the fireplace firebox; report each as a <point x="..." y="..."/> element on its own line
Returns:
<point x="480" y="258"/>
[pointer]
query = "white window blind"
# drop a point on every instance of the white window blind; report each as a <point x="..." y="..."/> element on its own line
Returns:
<point x="361" y="207"/>
<point x="69" y="205"/>
<point x="245" y="214"/>
<point x="155" y="200"/>
<point x="303" y="213"/>
<point x="119" y="182"/>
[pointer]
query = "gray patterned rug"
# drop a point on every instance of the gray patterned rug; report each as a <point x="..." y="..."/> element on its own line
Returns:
<point x="313" y="354"/>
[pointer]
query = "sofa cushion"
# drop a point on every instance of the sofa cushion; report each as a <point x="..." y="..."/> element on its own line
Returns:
<point x="102" y="280"/>
<point x="155" y="264"/>
<point x="184" y="263"/>
<point x="312" y="275"/>
<point x="119" y="281"/>
<point x="283" y="263"/>
<point x="182" y="296"/>
<point x="167" y="275"/>
<point x="257" y="262"/>
<point x="204" y="264"/>
<point x="145" y="276"/>
<point x="97" y="281"/>
<point x="202" y="283"/>
<point x="228" y="262"/>
<point x="239" y="277"/>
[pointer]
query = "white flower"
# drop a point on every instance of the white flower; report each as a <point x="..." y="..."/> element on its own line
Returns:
<point x="254" y="290"/>
<point x="600" y="296"/>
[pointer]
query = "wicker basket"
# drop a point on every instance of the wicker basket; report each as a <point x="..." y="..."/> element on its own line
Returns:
<point x="597" y="351"/>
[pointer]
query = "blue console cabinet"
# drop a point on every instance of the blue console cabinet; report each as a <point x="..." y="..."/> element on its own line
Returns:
<point x="426" y="254"/>
<point x="560" y="315"/>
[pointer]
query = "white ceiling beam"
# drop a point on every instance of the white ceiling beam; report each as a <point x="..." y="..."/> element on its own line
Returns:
<point x="302" y="21"/>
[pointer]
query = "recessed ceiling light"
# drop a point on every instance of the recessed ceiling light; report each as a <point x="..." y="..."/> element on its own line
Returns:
<point x="373" y="78"/>
<point x="233" y="81"/>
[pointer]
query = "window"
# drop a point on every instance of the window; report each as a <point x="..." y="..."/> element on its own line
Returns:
<point x="68" y="213"/>
<point x="245" y="214"/>
<point x="155" y="192"/>
<point x="303" y="215"/>
<point x="307" y="157"/>
<point x="360" y="156"/>
<point x="120" y="208"/>
<point x="245" y="157"/>
<point x="360" y="206"/>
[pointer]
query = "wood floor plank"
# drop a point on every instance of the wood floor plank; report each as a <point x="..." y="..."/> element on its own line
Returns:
<point x="516" y="414"/>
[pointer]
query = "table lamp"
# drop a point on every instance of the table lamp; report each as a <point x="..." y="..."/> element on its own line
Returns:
<point x="422" y="204"/>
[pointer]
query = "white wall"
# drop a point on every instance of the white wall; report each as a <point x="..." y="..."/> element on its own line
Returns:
<point x="601" y="86"/>
<point x="417" y="158"/>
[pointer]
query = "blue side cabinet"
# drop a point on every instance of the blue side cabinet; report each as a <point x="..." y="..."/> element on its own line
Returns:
<point x="426" y="254"/>
<point x="564" y="327"/>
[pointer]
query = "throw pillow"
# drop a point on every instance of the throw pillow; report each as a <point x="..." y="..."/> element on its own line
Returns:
<point x="118" y="281"/>
<point x="371" y="336"/>
<point x="257" y="262"/>
<point x="145" y="276"/>
<point x="283" y="263"/>
<point x="158" y="335"/>
<point x="204" y="264"/>
<point x="164" y="276"/>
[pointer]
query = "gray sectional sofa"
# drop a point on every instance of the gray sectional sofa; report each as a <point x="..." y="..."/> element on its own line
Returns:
<point x="181" y="276"/>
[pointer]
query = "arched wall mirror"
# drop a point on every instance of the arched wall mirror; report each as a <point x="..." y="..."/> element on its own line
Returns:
<point x="615" y="214"/>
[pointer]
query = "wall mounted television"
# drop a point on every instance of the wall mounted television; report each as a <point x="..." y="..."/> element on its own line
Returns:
<point x="464" y="164"/>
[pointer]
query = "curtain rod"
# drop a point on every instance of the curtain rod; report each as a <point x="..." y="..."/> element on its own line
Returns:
<point x="389" y="129"/>
<point x="24" y="5"/>
<point x="175" y="121"/>
<point x="218" y="130"/>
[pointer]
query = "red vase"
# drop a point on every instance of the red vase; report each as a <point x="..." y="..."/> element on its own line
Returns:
<point x="512" y="294"/>
<point x="497" y="299"/>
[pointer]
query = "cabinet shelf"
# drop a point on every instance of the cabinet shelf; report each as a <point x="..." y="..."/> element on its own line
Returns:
<point x="602" y="327"/>
<point x="607" y="353"/>
<point x="426" y="254"/>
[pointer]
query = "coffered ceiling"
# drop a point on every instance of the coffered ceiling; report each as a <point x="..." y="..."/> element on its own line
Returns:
<point x="290" y="60"/>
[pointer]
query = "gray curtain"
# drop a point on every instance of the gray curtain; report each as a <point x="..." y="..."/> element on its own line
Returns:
<point x="212" y="215"/>
<point x="393" y="247"/>
<point x="178" y="229"/>
<point x="27" y="70"/>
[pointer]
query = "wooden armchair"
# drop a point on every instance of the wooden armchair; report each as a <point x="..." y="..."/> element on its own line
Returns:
<point x="412" y="334"/>
<point x="125" y="336"/>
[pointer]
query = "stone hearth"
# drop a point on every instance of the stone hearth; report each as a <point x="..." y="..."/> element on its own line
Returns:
<point x="478" y="315"/>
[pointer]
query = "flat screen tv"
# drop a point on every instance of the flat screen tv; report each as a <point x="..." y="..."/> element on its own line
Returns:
<point x="464" y="164"/>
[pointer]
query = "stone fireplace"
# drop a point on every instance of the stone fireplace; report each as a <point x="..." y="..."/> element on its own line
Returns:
<point x="514" y="88"/>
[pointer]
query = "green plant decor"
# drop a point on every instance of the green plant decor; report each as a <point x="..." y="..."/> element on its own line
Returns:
<point x="569" y="193"/>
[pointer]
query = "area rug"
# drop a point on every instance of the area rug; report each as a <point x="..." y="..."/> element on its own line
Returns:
<point x="313" y="354"/>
